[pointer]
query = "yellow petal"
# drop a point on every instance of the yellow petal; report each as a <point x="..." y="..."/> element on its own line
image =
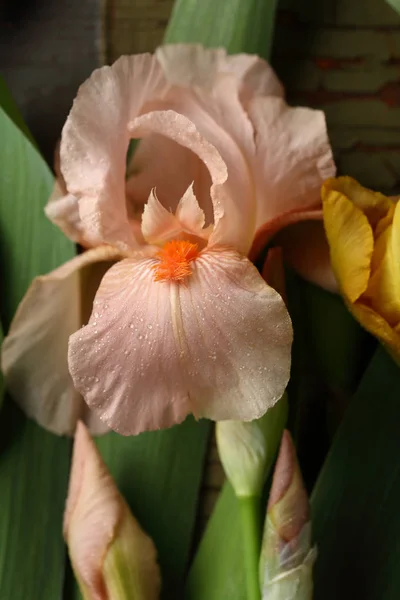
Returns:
<point x="384" y="287"/>
<point x="351" y="242"/>
<point x="377" y="325"/>
<point x="373" y="204"/>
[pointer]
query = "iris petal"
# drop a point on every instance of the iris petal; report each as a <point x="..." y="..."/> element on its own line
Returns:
<point x="217" y="345"/>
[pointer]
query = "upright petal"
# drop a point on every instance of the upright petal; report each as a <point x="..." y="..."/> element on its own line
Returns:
<point x="231" y="197"/>
<point x="195" y="66"/>
<point x="293" y="157"/>
<point x="95" y="141"/>
<point x="159" y="225"/>
<point x="163" y="164"/>
<point x="217" y="345"/>
<point x="34" y="353"/>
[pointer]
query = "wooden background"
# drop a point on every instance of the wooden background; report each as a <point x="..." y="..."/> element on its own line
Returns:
<point x="339" y="55"/>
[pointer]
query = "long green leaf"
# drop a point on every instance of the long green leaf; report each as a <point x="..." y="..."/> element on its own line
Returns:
<point x="33" y="463"/>
<point x="1" y="375"/>
<point x="355" y="504"/>
<point x="217" y="571"/>
<point x="329" y="356"/>
<point x="10" y="108"/>
<point x="237" y="25"/>
<point x="394" y="4"/>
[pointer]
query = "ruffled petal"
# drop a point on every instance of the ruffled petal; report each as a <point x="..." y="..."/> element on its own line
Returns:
<point x="217" y="345"/>
<point x="195" y="66"/>
<point x="232" y="198"/>
<point x="207" y="90"/>
<point x="34" y="353"/>
<point x="293" y="157"/>
<point x="95" y="141"/>
<point x="63" y="210"/>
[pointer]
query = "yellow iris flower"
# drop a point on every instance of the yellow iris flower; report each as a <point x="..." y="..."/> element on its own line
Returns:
<point x="363" y="232"/>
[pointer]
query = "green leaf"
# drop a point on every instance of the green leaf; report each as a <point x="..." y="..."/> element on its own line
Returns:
<point x="1" y="375"/>
<point x="218" y="571"/>
<point x="394" y="4"/>
<point x="330" y="354"/>
<point x="355" y="504"/>
<point x="237" y="25"/>
<point x="33" y="463"/>
<point x="11" y="109"/>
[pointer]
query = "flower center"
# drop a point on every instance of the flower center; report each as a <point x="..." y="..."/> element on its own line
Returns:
<point x="174" y="261"/>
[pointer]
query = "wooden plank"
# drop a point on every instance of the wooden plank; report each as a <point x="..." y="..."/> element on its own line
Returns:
<point x="344" y="58"/>
<point x="47" y="49"/>
<point x="135" y="26"/>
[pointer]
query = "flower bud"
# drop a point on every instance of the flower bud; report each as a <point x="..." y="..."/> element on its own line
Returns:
<point x="363" y="228"/>
<point x="287" y="556"/>
<point x="247" y="449"/>
<point x="111" y="555"/>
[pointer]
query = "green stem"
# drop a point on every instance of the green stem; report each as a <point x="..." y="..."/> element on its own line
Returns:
<point x="250" y="514"/>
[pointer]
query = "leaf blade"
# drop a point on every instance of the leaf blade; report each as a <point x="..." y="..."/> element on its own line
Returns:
<point x="237" y="25"/>
<point x="355" y="502"/>
<point x="33" y="463"/>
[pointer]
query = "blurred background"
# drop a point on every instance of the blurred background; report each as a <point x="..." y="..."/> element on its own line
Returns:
<point x="338" y="55"/>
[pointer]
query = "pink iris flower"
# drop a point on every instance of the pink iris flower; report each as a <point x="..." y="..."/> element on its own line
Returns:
<point x="182" y="322"/>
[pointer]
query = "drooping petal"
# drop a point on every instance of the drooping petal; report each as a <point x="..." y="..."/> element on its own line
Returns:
<point x="293" y="157"/>
<point x="34" y="353"/>
<point x="95" y="141"/>
<point x="351" y="243"/>
<point x="98" y="525"/>
<point x="193" y="65"/>
<point x="217" y="345"/>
